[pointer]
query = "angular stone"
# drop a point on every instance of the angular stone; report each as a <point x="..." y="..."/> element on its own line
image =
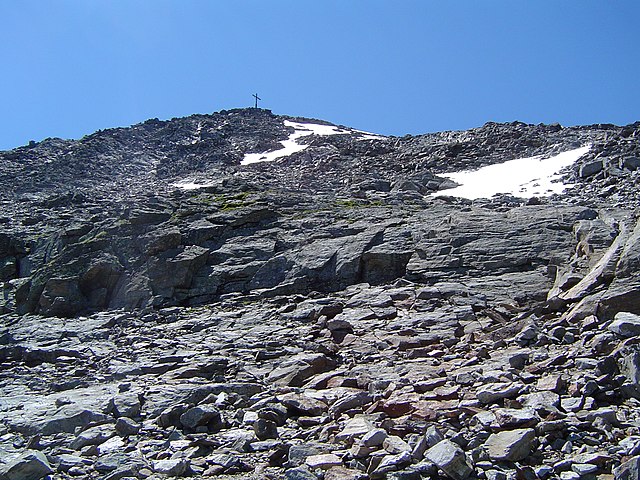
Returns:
<point x="625" y="324"/>
<point x="395" y="445"/>
<point x="93" y="436"/>
<point x="301" y="367"/>
<point x="265" y="429"/>
<point x="572" y="404"/>
<point x="355" y="427"/>
<point x="553" y="383"/>
<point x="352" y="401"/>
<point x="390" y="463"/>
<point x="299" y="473"/>
<point x="67" y="419"/>
<point x="303" y="405"/>
<point x="342" y="473"/>
<point x="495" y="392"/>
<point x="323" y="461"/>
<point x="339" y="324"/>
<point x="174" y="467"/>
<point x="127" y="427"/>
<point x="451" y="459"/>
<point x="200" y="416"/>
<point x="584" y="468"/>
<point x="629" y="470"/>
<point x="513" y="417"/>
<point x="30" y="465"/>
<point x="512" y="445"/>
<point x="126" y="405"/>
<point x="298" y="454"/>
<point x="541" y="401"/>
<point x="591" y="168"/>
<point x="374" y="438"/>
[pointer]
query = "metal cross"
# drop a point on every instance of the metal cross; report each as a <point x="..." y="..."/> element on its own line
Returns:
<point x="255" y="95"/>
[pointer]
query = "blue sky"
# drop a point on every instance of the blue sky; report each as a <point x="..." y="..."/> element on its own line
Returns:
<point x="70" y="67"/>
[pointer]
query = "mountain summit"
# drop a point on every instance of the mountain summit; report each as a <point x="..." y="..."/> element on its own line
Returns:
<point x="248" y="295"/>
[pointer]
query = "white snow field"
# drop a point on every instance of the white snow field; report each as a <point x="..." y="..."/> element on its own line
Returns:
<point x="291" y="146"/>
<point x="523" y="177"/>
<point x="187" y="185"/>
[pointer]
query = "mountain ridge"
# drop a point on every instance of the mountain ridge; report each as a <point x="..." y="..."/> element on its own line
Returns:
<point x="168" y="311"/>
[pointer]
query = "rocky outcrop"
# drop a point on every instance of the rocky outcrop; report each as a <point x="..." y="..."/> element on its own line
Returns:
<point x="319" y="316"/>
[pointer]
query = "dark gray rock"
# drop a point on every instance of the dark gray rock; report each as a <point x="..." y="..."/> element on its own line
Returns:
<point x="30" y="465"/>
<point x="629" y="470"/>
<point x="451" y="459"/>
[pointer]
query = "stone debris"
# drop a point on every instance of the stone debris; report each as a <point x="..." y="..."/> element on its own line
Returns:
<point x="321" y="316"/>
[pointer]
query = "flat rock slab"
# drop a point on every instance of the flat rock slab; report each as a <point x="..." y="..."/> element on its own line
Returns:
<point x="323" y="461"/>
<point x="512" y="445"/>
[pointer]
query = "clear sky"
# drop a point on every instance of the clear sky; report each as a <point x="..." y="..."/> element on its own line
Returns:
<point x="70" y="67"/>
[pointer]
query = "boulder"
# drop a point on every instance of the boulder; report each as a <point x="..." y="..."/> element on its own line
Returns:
<point x="629" y="470"/>
<point x="511" y="445"/>
<point x="625" y="324"/>
<point x="30" y="465"/>
<point x="174" y="467"/>
<point x="200" y="416"/>
<point x="451" y="459"/>
<point x="591" y="168"/>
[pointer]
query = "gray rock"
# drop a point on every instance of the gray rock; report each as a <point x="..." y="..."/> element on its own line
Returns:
<point x="127" y="427"/>
<point x="395" y="445"/>
<point x="495" y="392"/>
<point x="299" y="453"/>
<point x="512" y="417"/>
<point x="347" y="403"/>
<point x="626" y="324"/>
<point x="631" y="163"/>
<point x="300" y="368"/>
<point x="591" y="168"/>
<point x="374" y="438"/>
<point x="323" y="461"/>
<point x="433" y="436"/>
<point x="174" y="467"/>
<point x="67" y="419"/>
<point x="30" y="465"/>
<point x="93" y="436"/>
<point x="353" y="428"/>
<point x="299" y="473"/>
<point x="265" y="429"/>
<point x="201" y="415"/>
<point x="544" y="401"/>
<point x="512" y="446"/>
<point x="303" y="405"/>
<point x="390" y="463"/>
<point x="629" y="470"/>
<point x="583" y="469"/>
<point x="451" y="459"/>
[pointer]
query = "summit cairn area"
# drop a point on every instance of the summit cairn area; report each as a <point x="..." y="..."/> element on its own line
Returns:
<point x="244" y="295"/>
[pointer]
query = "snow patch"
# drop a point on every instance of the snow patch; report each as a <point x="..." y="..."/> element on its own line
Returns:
<point x="187" y="185"/>
<point x="291" y="146"/>
<point x="523" y="177"/>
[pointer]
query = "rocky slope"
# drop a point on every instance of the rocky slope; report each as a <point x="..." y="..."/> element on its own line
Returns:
<point x="169" y="309"/>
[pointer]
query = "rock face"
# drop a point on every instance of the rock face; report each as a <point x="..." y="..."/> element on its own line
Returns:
<point x="168" y="311"/>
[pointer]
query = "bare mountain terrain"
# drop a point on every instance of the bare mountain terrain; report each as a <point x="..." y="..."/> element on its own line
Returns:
<point x="247" y="295"/>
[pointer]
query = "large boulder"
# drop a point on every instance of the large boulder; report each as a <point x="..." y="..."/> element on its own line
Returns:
<point x="30" y="465"/>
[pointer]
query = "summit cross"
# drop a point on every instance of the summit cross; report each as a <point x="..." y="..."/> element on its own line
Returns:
<point x="255" y="95"/>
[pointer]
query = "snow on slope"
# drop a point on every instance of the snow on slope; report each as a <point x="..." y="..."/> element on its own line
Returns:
<point x="523" y="177"/>
<point x="189" y="185"/>
<point x="291" y="146"/>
